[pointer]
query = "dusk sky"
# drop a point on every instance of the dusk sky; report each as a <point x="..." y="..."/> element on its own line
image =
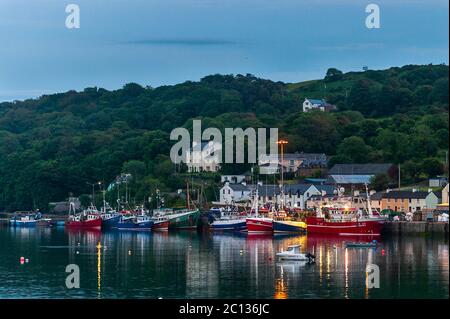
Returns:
<point x="158" y="42"/>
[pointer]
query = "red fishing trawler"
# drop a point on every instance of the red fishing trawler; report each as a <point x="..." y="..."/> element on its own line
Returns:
<point x="87" y="219"/>
<point x="346" y="221"/>
<point x="257" y="224"/>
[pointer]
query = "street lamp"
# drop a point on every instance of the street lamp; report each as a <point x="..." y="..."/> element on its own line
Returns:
<point x="93" y="190"/>
<point x="282" y="143"/>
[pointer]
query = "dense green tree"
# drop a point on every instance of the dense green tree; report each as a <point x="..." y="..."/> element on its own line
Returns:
<point x="53" y="145"/>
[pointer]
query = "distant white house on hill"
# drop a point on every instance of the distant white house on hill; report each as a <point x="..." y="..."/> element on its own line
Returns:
<point x="313" y="104"/>
<point x="203" y="157"/>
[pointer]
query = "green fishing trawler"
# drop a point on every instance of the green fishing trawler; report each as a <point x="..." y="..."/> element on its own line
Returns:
<point x="180" y="219"/>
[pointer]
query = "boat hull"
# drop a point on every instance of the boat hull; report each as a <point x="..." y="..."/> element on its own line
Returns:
<point x="287" y="226"/>
<point x="259" y="225"/>
<point x="111" y="222"/>
<point x="229" y="225"/>
<point x="316" y="225"/>
<point x="184" y="220"/>
<point x="132" y="226"/>
<point x="85" y="224"/>
<point x="161" y="225"/>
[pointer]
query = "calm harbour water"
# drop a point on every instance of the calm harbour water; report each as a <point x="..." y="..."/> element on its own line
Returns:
<point x="192" y="265"/>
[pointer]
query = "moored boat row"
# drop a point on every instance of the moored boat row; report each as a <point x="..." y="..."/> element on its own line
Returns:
<point x="332" y="220"/>
<point x="132" y="220"/>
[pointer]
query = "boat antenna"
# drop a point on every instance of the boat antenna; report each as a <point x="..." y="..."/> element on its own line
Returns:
<point x="369" y="205"/>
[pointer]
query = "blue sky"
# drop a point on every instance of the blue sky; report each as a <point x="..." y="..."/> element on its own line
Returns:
<point x="157" y="42"/>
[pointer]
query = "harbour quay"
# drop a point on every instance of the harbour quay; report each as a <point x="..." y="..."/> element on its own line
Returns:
<point x="415" y="227"/>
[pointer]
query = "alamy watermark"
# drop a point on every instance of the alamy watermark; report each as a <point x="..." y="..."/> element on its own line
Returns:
<point x="73" y="19"/>
<point x="373" y="19"/>
<point x="207" y="146"/>
<point x="73" y="279"/>
<point x="372" y="276"/>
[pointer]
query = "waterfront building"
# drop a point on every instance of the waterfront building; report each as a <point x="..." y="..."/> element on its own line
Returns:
<point x="293" y="195"/>
<point x="232" y="193"/>
<point x="297" y="164"/>
<point x="409" y="201"/>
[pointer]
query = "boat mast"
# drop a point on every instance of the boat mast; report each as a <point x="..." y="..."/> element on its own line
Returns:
<point x="282" y="143"/>
<point x="104" y="200"/>
<point x="256" y="201"/>
<point x="369" y="204"/>
<point x="187" y="195"/>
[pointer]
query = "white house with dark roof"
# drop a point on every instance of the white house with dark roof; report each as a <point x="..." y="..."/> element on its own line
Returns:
<point x="232" y="193"/>
<point x="314" y="104"/>
<point x="292" y="162"/>
<point x="295" y="196"/>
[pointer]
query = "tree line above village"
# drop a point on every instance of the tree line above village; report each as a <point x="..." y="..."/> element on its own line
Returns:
<point x="57" y="144"/>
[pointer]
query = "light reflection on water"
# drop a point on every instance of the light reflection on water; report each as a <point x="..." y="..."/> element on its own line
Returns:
<point x="191" y="265"/>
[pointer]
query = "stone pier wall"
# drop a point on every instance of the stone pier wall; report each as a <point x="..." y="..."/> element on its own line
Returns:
<point x="432" y="228"/>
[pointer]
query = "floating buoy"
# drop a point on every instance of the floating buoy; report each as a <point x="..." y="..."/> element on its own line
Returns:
<point x="129" y="253"/>
<point x="159" y="297"/>
<point x="22" y="260"/>
<point x="27" y="260"/>
<point x="79" y="244"/>
<point x="77" y="252"/>
<point x="382" y="252"/>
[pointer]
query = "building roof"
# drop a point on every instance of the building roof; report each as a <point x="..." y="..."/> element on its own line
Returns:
<point x="240" y="187"/>
<point x="349" y="179"/>
<point x="377" y="196"/>
<point x="328" y="189"/>
<point x="406" y="194"/>
<point x="315" y="101"/>
<point x="316" y="180"/>
<point x="360" y="169"/>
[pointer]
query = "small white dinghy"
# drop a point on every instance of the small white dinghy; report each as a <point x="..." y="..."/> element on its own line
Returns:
<point x="293" y="253"/>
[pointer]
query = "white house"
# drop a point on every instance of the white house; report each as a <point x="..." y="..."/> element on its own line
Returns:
<point x="295" y="196"/>
<point x="314" y="104"/>
<point x="292" y="162"/>
<point x="231" y="193"/>
<point x="203" y="158"/>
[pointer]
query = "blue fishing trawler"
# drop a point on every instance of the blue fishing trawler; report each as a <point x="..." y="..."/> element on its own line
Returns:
<point x="228" y="220"/>
<point x="137" y="223"/>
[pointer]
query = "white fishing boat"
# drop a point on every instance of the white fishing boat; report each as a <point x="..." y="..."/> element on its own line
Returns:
<point x="293" y="253"/>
